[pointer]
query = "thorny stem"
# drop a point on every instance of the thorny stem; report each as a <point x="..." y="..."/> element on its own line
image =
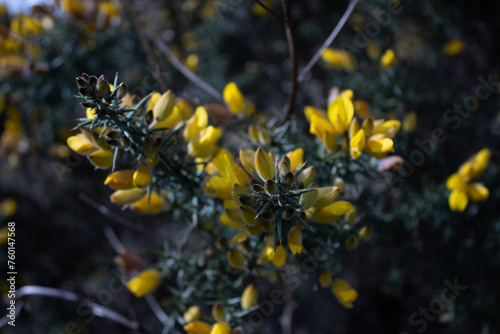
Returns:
<point x="180" y="66"/>
<point x="293" y="58"/>
<point x="328" y="41"/>
<point x="98" y="310"/>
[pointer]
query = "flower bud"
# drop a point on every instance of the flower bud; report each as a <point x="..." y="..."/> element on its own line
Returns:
<point x="307" y="175"/>
<point x="249" y="297"/>
<point x="285" y="165"/>
<point x="288" y="213"/>
<point x="153" y="159"/>
<point x="325" y="278"/>
<point x="164" y="107"/>
<point x="366" y="233"/>
<point x="193" y="313"/>
<point x="351" y="242"/>
<point x="218" y="312"/>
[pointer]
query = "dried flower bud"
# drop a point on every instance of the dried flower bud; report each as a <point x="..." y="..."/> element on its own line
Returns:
<point x="289" y="178"/>
<point x="271" y="187"/>
<point x="129" y="260"/>
<point x="81" y="82"/>
<point x="148" y="117"/>
<point x="288" y="214"/>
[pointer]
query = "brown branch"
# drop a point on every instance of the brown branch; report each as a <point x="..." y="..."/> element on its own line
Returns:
<point x="293" y="58"/>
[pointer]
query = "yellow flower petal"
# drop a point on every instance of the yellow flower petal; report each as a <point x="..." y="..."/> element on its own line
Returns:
<point x="196" y="123"/>
<point x="142" y="177"/>
<point x="80" y="145"/>
<point x="234" y="98"/>
<point x="332" y="212"/>
<point x="458" y="200"/>
<point x="235" y="258"/>
<point x="295" y="240"/>
<point x="247" y="158"/>
<point x="325" y="278"/>
<point x="455" y="181"/>
<point x="388" y="59"/>
<point x="365" y="233"/>
<point x="123" y="197"/>
<point x="296" y="158"/>
<point x="344" y="293"/>
<point x="120" y="180"/>
<point x="101" y="159"/>
<point x="340" y="114"/>
<point x="264" y="164"/>
<point x="357" y="144"/>
<point x="221" y="328"/>
<point x="149" y="204"/>
<point x="197" y="327"/>
<point x="147" y="281"/>
<point x="226" y="220"/>
<point x="279" y="258"/>
<point x="477" y="192"/>
<point x="339" y="59"/>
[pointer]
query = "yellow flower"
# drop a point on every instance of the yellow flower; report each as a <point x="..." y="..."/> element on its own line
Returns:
<point x="101" y="159"/>
<point x="147" y="281"/>
<point x="218" y="312"/>
<point x="453" y="47"/>
<point x="197" y="327"/>
<point x="141" y="177"/>
<point x="150" y="204"/>
<point x="8" y="207"/>
<point x="344" y="293"/>
<point x="365" y="233"/>
<point x="74" y="7"/>
<point x="85" y="144"/>
<point x="325" y="278"/>
<point x="410" y="122"/>
<point x="331" y="213"/>
<point x="204" y="144"/>
<point x="458" y="183"/>
<point x="120" y="180"/>
<point x="196" y="123"/>
<point x="388" y="59"/>
<point x="192" y="62"/>
<point x="339" y="59"/>
<point x="221" y="328"/>
<point x="25" y="25"/>
<point x="340" y="114"/>
<point x="379" y="146"/>
<point x="295" y="240"/>
<point x="279" y="256"/>
<point x="249" y="297"/>
<point x="234" y="98"/>
<point x="235" y="258"/>
<point x="128" y="196"/>
<point x="357" y="144"/>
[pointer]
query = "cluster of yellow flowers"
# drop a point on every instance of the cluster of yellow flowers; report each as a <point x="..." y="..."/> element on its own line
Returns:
<point x="374" y="136"/>
<point x="462" y="190"/>
<point x="265" y="194"/>
<point x="340" y="288"/>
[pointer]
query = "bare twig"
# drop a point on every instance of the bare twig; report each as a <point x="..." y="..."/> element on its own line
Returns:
<point x="157" y="310"/>
<point x="152" y="60"/>
<point x="269" y="10"/>
<point x="96" y="309"/>
<point x="293" y="58"/>
<point x="180" y="66"/>
<point x="328" y="41"/>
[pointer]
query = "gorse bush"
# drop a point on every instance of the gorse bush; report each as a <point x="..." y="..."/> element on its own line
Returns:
<point x="245" y="157"/>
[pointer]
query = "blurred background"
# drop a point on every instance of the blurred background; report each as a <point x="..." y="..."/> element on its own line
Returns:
<point x="445" y="50"/>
